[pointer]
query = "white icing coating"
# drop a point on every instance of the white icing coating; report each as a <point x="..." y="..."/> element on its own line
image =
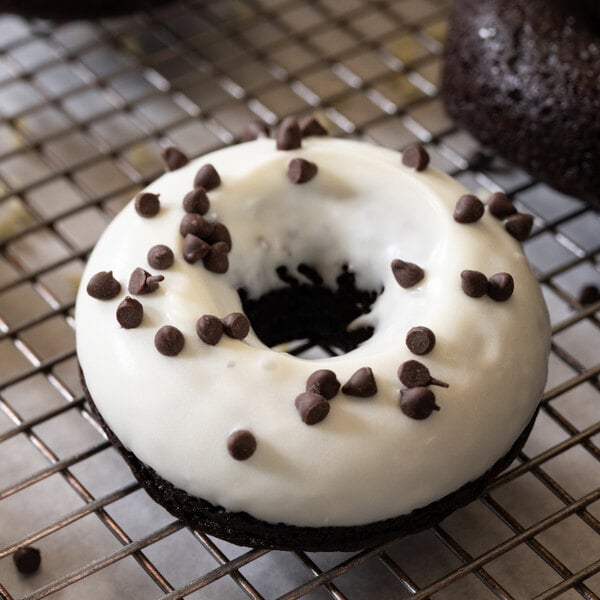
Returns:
<point x="367" y="460"/>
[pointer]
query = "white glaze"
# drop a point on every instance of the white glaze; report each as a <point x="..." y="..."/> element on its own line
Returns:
<point x="366" y="461"/>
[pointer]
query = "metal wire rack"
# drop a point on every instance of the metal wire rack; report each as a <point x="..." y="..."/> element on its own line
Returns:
<point x="84" y="107"/>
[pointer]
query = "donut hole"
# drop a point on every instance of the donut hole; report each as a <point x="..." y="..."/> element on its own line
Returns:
<point x="307" y="310"/>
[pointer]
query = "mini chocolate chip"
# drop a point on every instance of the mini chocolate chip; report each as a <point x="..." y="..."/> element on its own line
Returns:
<point x="207" y="178"/>
<point x="415" y="157"/>
<point x="519" y="226"/>
<point x="103" y="286"/>
<point x="147" y="204"/>
<point x="27" y="560"/>
<point x="197" y="225"/>
<point x="209" y="329"/>
<point x="288" y="134"/>
<point x="473" y="283"/>
<point x="312" y="407"/>
<point x="217" y="261"/>
<point x="469" y="209"/>
<point x="417" y="402"/>
<point x="160" y="257"/>
<point x="130" y="313"/>
<point x="420" y="340"/>
<point x="500" y="205"/>
<point x="236" y="325"/>
<point x="255" y="130"/>
<point x="241" y="444"/>
<point x="220" y="233"/>
<point x="196" y="201"/>
<point x="174" y="158"/>
<point x="141" y="282"/>
<point x="588" y="294"/>
<point x="407" y="274"/>
<point x="361" y="384"/>
<point x="194" y="248"/>
<point x="323" y="382"/>
<point x="301" y="171"/>
<point x="413" y="373"/>
<point x="311" y="126"/>
<point x="169" y="340"/>
<point x="500" y="287"/>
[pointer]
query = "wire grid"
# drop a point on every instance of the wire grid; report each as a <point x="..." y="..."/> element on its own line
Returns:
<point x="85" y="107"/>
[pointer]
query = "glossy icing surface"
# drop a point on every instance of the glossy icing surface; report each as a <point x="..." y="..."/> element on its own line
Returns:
<point x="366" y="460"/>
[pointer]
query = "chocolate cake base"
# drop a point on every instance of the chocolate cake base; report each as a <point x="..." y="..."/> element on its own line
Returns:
<point x="243" y="529"/>
<point x="523" y="77"/>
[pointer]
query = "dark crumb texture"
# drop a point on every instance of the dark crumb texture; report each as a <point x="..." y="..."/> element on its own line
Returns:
<point x="306" y="309"/>
<point x="242" y="529"/>
<point x="524" y="78"/>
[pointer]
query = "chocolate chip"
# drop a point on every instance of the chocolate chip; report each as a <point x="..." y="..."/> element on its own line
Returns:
<point x="288" y="134"/>
<point x="311" y="126"/>
<point x="147" y="204"/>
<point x="207" y="178"/>
<point x="194" y="248"/>
<point x="519" y="226"/>
<point x="130" y="313"/>
<point x="255" y="130"/>
<point x="301" y="171"/>
<point x="27" y="560"/>
<point x="312" y="407"/>
<point x="418" y="402"/>
<point x="209" y="329"/>
<point x="174" y="158"/>
<point x="236" y="325"/>
<point x="169" y="340"/>
<point x="197" y="225"/>
<point x="420" y="340"/>
<point x="469" y="209"/>
<point x="160" y="257"/>
<point x="141" y="282"/>
<point x="217" y="261"/>
<point x="361" y="384"/>
<point x="500" y="287"/>
<point x="415" y="157"/>
<point x="500" y="205"/>
<point x="589" y="294"/>
<point x="407" y="274"/>
<point x="473" y="283"/>
<point x="220" y="233"/>
<point x="103" y="286"/>
<point x="413" y="373"/>
<point x="323" y="382"/>
<point x="241" y="444"/>
<point x="196" y="201"/>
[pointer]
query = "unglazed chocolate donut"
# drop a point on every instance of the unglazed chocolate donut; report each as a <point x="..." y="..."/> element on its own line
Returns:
<point x="70" y="9"/>
<point x="264" y="448"/>
<point x="523" y="76"/>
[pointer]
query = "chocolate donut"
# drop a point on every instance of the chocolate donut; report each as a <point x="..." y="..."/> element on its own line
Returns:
<point x="193" y="294"/>
<point x="523" y="76"/>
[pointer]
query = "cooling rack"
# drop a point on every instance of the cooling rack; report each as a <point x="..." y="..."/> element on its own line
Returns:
<point x="84" y="109"/>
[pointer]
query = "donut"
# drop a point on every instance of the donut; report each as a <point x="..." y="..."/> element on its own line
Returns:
<point x="70" y="9"/>
<point x="523" y="77"/>
<point x="196" y="299"/>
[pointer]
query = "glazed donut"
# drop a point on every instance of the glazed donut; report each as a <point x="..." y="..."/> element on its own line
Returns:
<point x="523" y="76"/>
<point x="265" y="448"/>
